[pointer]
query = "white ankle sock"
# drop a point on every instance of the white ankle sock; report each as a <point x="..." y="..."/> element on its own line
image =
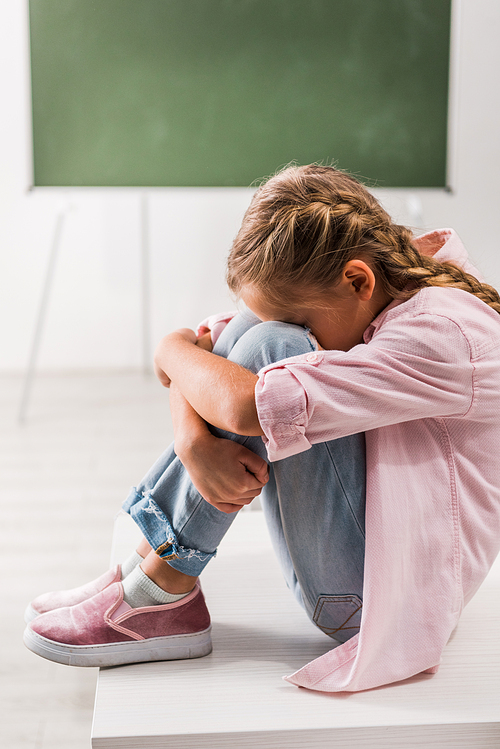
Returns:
<point x="139" y="591"/>
<point x="130" y="564"/>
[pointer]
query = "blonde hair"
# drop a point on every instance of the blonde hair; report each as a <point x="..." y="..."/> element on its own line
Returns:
<point x="305" y="223"/>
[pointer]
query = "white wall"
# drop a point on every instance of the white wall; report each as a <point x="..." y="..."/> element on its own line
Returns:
<point x="94" y="316"/>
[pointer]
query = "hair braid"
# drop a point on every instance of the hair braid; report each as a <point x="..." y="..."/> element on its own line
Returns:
<point x="305" y="223"/>
<point x="408" y="270"/>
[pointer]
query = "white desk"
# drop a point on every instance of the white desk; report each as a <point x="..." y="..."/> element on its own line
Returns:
<point x="235" y="697"/>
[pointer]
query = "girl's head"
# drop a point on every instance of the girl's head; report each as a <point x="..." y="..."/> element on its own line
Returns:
<point x="307" y="224"/>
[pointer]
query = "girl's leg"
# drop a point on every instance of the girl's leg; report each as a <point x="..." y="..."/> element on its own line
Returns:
<point x="179" y="525"/>
<point x="314" y="501"/>
<point x="176" y="521"/>
<point x="168" y="480"/>
<point x="314" y="505"/>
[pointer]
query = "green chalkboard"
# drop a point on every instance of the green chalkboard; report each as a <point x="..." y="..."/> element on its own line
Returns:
<point x="222" y="92"/>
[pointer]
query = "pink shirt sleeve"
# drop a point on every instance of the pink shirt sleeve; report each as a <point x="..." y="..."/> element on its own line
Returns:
<point x="404" y="373"/>
<point x="215" y="324"/>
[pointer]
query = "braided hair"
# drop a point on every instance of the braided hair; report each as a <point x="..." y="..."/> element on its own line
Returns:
<point x="305" y="223"/>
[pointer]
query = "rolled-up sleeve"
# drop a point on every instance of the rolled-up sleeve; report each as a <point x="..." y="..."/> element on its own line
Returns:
<point x="416" y="366"/>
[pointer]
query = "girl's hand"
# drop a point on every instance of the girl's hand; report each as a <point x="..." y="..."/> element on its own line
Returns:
<point x="227" y="474"/>
<point x="205" y="342"/>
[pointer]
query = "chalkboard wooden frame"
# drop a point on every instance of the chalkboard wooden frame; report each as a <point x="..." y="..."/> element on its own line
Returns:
<point x="222" y="92"/>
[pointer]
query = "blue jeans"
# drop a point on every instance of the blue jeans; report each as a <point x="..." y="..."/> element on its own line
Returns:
<point x="314" y="502"/>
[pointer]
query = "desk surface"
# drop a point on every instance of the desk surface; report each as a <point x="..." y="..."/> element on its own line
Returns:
<point x="236" y="697"/>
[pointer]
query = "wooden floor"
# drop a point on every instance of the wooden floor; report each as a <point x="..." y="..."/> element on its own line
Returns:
<point x="63" y="476"/>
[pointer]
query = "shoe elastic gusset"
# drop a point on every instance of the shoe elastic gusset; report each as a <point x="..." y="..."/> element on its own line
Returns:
<point x="106" y="631"/>
<point x="59" y="599"/>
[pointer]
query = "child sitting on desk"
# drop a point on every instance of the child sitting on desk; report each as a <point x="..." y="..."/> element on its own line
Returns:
<point x="359" y="394"/>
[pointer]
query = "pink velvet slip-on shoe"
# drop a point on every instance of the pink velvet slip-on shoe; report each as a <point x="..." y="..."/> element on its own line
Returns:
<point x="60" y="598"/>
<point x="106" y="631"/>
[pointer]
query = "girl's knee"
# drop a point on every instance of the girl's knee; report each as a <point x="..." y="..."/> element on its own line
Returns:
<point x="269" y="342"/>
<point x="338" y="616"/>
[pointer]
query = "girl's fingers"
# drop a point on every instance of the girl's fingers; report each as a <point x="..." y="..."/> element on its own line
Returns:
<point x="257" y="467"/>
<point x="205" y="342"/>
<point x="251" y="494"/>
<point x="228" y="508"/>
<point x="235" y="505"/>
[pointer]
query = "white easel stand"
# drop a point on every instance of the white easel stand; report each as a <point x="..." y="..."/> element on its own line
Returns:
<point x="47" y="289"/>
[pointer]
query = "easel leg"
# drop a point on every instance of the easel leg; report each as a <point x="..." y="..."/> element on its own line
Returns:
<point x="147" y="355"/>
<point x="42" y="311"/>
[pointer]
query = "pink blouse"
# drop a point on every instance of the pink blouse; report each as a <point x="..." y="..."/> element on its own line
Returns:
<point x="425" y="388"/>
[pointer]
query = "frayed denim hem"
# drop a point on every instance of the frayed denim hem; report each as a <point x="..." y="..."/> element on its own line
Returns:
<point x="160" y="535"/>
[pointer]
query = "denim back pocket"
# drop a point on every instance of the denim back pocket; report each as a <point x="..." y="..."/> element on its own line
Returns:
<point x="339" y="616"/>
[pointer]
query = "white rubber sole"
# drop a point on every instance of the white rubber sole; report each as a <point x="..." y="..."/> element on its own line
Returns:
<point x="30" y="614"/>
<point x="174" y="647"/>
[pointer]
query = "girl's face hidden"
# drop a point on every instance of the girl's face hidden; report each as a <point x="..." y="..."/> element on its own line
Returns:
<point x="337" y="317"/>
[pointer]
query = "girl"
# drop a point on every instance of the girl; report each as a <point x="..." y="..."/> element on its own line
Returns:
<point x="366" y="371"/>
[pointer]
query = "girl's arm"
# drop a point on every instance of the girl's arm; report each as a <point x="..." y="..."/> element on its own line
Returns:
<point x="226" y="474"/>
<point x="220" y="391"/>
